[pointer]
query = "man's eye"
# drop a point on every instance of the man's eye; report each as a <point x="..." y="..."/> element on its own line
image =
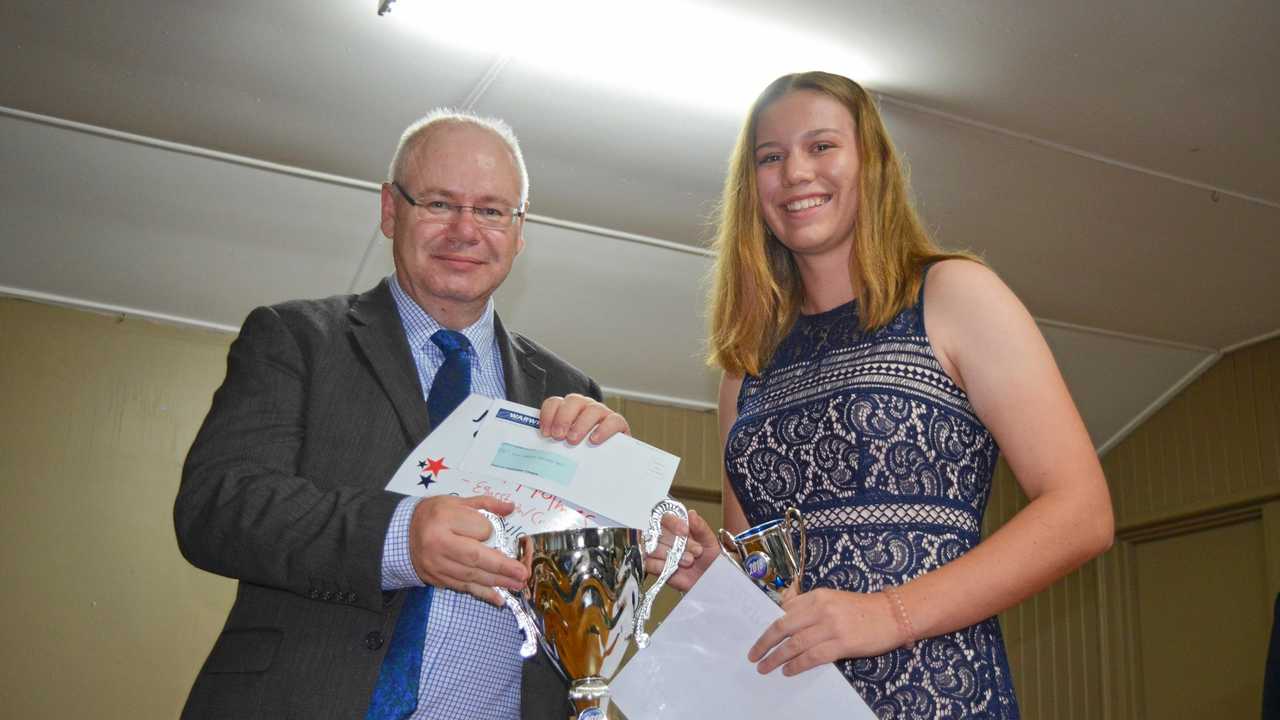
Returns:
<point x="437" y="206"/>
<point x="489" y="212"/>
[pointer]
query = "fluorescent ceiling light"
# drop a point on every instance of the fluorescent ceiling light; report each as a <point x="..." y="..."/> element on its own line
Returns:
<point x="688" y="53"/>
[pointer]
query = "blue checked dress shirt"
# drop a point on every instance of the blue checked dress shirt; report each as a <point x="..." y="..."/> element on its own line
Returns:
<point x="471" y="664"/>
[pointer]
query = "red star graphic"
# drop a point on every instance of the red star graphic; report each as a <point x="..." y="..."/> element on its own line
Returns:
<point x="435" y="466"/>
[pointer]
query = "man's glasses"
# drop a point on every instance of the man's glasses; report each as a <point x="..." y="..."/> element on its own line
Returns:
<point x="439" y="211"/>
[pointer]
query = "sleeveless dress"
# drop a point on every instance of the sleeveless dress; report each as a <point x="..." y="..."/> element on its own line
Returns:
<point x="882" y="453"/>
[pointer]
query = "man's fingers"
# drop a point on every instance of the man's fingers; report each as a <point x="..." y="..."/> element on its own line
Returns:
<point x="573" y="416"/>
<point x="588" y="417"/>
<point x="557" y="414"/>
<point x="489" y="572"/>
<point x="490" y="503"/>
<point x="483" y="592"/>
<point x="494" y="568"/>
<point x="547" y="414"/>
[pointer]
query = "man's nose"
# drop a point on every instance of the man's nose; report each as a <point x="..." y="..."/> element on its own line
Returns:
<point x="463" y="222"/>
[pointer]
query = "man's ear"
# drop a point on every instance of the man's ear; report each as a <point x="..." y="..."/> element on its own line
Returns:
<point x="388" y="223"/>
<point x="520" y="229"/>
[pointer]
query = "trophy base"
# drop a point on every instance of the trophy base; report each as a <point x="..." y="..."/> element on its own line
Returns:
<point x="590" y="698"/>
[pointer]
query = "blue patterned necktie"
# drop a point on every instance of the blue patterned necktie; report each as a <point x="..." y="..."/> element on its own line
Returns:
<point x="396" y="694"/>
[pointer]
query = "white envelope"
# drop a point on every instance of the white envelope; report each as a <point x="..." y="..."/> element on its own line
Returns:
<point x="696" y="663"/>
<point x="492" y="447"/>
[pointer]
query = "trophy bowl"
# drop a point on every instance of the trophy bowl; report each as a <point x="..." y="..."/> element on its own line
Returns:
<point x="767" y="554"/>
<point x="587" y="601"/>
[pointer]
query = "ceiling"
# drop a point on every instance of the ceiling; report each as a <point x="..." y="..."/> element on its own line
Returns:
<point x="1117" y="164"/>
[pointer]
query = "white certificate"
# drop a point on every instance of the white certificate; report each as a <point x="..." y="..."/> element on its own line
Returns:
<point x="696" y="664"/>
<point x="492" y="447"/>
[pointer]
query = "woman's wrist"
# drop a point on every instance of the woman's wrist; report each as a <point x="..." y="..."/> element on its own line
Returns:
<point x="907" y="632"/>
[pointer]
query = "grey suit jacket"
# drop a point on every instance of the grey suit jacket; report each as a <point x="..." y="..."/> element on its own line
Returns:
<point x="283" y="490"/>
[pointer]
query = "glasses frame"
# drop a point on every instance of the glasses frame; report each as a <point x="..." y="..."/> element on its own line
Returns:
<point x="455" y="210"/>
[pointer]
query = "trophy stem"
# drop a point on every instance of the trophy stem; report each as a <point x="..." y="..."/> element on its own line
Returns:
<point x="590" y="697"/>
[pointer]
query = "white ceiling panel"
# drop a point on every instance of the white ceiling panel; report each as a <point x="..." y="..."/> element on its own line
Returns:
<point x="1181" y="86"/>
<point x="1116" y="380"/>
<point x="119" y="223"/>
<point x="1095" y="244"/>
<point x="325" y="85"/>
<point x="637" y="164"/>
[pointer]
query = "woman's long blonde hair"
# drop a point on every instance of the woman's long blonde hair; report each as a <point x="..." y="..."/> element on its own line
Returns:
<point x="756" y="291"/>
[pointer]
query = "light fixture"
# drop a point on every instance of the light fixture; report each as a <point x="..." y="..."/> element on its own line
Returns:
<point x="684" y="52"/>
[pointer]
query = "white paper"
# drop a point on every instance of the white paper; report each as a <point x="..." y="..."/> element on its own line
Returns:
<point x="483" y="444"/>
<point x="696" y="664"/>
<point x="622" y="478"/>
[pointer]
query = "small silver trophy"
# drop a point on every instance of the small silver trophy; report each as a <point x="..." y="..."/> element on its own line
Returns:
<point x="767" y="555"/>
<point x="584" y="601"/>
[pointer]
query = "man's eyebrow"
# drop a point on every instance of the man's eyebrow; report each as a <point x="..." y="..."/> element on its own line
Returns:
<point x="806" y="134"/>
<point x="449" y="195"/>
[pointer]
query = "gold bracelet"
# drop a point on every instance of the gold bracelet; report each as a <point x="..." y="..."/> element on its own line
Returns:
<point x="899" y="611"/>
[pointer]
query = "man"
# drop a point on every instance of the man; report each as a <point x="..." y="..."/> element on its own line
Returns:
<point x="283" y="487"/>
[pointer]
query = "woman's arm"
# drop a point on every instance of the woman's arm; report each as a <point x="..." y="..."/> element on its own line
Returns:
<point x="990" y="346"/>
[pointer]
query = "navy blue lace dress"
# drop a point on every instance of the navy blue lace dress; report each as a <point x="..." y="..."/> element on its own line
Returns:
<point x="867" y="435"/>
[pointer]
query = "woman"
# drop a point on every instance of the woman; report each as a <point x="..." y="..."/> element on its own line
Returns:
<point x="877" y="403"/>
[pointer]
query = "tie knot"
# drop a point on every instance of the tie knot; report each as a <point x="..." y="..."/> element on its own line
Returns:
<point x="451" y="342"/>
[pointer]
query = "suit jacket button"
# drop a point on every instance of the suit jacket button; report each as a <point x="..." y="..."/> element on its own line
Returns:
<point x="327" y="595"/>
<point x="351" y="598"/>
<point x="373" y="640"/>
<point x="313" y="593"/>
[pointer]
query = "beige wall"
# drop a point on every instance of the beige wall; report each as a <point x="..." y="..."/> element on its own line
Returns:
<point x="1173" y="621"/>
<point x="102" y="617"/>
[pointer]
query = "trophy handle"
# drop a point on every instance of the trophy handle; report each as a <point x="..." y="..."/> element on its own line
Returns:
<point x="794" y="520"/>
<point x="498" y="539"/>
<point x="730" y="547"/>
<point x="665" y="506"/>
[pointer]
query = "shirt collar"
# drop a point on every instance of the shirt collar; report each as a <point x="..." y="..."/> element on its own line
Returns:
<point x="419" y="326"/>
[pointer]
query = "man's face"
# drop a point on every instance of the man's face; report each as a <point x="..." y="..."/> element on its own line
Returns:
<point x="451" y="268"/>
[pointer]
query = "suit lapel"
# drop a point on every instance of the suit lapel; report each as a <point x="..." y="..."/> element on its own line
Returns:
<point x="375" y="324"/>
<point x="525" y="379"/>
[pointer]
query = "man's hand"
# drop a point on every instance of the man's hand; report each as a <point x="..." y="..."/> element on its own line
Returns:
<point x="446" y="545"/>
<point x="699" y="553"/>
<point x="572" y="417"/>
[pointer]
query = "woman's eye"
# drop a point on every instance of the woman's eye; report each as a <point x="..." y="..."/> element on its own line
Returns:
<point x="771" y="157"/>
<point x="819" y="147"/>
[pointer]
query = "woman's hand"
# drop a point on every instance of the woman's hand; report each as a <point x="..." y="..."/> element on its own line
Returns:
<point x="698" y="553"/>
<point x="825" y="625"/>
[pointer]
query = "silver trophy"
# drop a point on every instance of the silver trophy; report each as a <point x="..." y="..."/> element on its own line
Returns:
<point x="584" y="600"/>
<point x="767" y="554"/>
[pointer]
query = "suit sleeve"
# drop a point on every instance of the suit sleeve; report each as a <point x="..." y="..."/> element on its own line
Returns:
<point x="242" y="509"/>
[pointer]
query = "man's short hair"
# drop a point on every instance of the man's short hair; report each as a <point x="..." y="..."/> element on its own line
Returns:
<point x="420" y="128"/>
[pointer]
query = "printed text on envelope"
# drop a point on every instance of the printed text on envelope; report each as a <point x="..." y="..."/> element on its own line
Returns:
<point x="545" y="464"/>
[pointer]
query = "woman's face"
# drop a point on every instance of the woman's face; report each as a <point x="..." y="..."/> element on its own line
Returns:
<point x="807" y="173"/>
